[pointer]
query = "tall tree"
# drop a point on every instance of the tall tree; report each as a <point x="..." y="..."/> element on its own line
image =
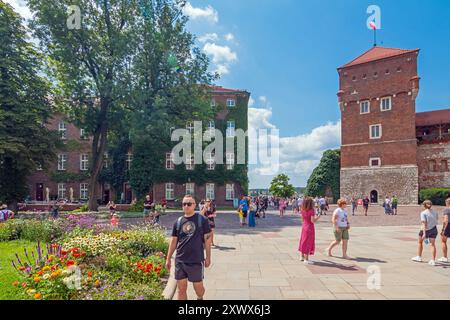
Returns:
<point x="325" y="178"/>
<point x="25" y="142"/>
<point x="91" y="64"/>
<point x="280" y="187"/>
<point x="172" y="81"/>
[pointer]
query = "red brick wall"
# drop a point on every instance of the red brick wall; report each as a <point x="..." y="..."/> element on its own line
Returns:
<point x="397" y="124"/>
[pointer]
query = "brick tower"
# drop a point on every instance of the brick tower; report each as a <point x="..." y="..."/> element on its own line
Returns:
<point x="377" y="93"/>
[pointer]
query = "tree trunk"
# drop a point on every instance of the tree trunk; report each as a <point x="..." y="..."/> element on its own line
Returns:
<point x="98" y="149"/>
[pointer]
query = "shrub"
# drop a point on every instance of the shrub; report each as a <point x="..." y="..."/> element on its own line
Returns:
<point x="45" y="231"/>
<point x="83" y="208"/>
<point x="11" y="230"/>
<point x="436" y="195"/>
<point x="137" y="207"/>
<point x="145" y="240"/>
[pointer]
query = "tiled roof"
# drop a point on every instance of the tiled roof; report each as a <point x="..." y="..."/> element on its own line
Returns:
<point x="432" y="117"/>
<point x="377" y="53"/>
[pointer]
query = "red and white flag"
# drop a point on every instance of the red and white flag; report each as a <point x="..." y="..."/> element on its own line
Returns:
<point x="373" y="25"/>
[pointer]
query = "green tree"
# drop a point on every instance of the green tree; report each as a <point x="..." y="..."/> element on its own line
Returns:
<point x="90" y="65"/>
<point x="325" y="178"/>
<point x="280" y="186"/>
<point x="171" y="88"/>
<point x="25" y="142"/>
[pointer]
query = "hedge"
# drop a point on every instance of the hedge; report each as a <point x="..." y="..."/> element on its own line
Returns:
<point x="436" y="195"/>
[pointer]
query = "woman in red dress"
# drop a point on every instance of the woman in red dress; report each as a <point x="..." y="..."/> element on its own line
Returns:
<point x="307" y="239"/>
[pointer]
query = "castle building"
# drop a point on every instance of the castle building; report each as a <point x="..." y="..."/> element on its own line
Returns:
<point x="387" y="148"/>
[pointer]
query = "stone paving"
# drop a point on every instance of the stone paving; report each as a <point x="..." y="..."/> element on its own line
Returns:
<point x="264" y="263"/>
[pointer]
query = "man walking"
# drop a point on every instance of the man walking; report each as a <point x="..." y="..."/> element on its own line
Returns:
<point x="191" y="235"/>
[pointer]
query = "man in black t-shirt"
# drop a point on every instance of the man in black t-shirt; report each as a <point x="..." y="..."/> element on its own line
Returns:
<point x="148" y="206"/>
<point x="191" y="236"/>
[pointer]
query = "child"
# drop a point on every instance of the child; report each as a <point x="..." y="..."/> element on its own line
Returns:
<point x="251" y="217"/>
<point x="428" y="233"/>
<point x="341" y="226"/>
<point x="445" y="232"/>
<point x="112" y="208"/>
<point x="115" y="220"/>
<point x="307" y="238"/>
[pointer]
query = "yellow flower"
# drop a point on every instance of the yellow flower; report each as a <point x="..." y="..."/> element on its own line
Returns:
<point x="38" y="296"/>
<point x="31" y="291"/>
<point x="37" y="279"/>
<point x="46" y="268"/>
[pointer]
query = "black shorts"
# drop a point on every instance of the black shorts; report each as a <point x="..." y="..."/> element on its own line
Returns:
<point x="194" y="272"/>
<point x="447" y="231"/>
<point x="212" y="223"/>
<point x="394" y="206"/>
<point x="432" y="233"/>
<point x="244" y="213"/>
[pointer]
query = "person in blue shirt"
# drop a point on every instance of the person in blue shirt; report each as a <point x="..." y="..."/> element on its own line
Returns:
<point x="243" y="205"/>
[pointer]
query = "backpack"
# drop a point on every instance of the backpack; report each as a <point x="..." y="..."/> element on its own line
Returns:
<point x="179" y="222"/>
<point x="3" y="215"/>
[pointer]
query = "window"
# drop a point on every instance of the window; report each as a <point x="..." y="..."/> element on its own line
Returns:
<point x="375" y="74"/>
<point x="399" y="69"/>
<point x="210" y="161"/>
<point x="364" y="107"/>
<point x="432" y="166"/>
<point x="83" y="191"/>
<point x="62" y="160"/>
<point x="190" y="127"/>
<point x="190" y="188"/>
<point x="129" y="160"/>
<point x="105" y="160"/>
<point x="169" y="161"/>
<point x="229" y="191"/>
<point x="84" y="162"/>
<point x="354" y="78"/>
<point x="444" y="165"/>
<point x="230" y="160"/>
<point x="375" y="162"/>
<point x="211" y="129"/>
<point x="189" y="162"/>
<point x="170" y="191"/>
<point x="375" y="131"/>
<point x="83" y="134"/>
<point x="387" y="71"/>
<point x="62" y="130"/>
<point x="210" y="191"/>
<point x="231" y="126"/>
<point x="213" y="102"/>
<point x="364" y="76"/>
<point x="386" y="103"/>
<point x="231" y="103"/>
<point x="61" y="191"/>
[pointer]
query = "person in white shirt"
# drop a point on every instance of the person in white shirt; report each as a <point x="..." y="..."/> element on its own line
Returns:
<point x="341" y="226"/>
<point x="428" y="233"/>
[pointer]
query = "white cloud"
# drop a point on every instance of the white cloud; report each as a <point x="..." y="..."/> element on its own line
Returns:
<point x="251" y="102"/>
<point x="222" y="57"/>
<point x="229" y="37"/>
<point x="299" y="155"/>
<point x="208" y="13"/>
<point x="208" y="37"/>
<point x="20" y="7"/>
<point x="220" y="53"/>
<point x="222" y="69"/>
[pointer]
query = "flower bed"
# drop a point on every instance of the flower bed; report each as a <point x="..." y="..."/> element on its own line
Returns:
<point x="85" y="261"/>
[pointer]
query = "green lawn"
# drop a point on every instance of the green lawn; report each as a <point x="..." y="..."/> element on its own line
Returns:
<point x="7" y="273"/>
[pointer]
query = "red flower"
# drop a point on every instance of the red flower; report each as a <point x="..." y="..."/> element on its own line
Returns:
<point x="63" y="252"/>
<point x="70" y="263"/>
<point x="83" y="254"/>
<point x="90" y="274"/>
<point x="40" y="273"/>
<point x="76" y="255"/>
<point x="24" y="285"/>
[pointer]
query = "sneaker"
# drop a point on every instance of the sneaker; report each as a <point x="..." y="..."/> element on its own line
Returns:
<point x="307" y="262"/>
<point x="432" y="263"/>
<point x="443" y="259"/>
<point x="417" y="259"/>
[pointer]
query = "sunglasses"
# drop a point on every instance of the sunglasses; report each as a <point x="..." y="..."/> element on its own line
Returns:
<point x="187" y="204"/>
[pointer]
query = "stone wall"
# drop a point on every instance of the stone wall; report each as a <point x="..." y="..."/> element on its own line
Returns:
<point x="433" y="161"/>
<point x="401" y="181"/>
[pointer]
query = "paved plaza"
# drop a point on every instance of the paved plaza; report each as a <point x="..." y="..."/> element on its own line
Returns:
<point x="264" y="263"/>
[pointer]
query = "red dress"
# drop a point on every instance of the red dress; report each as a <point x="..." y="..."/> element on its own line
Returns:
<point x="307" y="239"/>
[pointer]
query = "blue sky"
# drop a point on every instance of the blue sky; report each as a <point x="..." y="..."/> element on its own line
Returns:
<point x="285" y="52"/>
<point x="288" y="50"/>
